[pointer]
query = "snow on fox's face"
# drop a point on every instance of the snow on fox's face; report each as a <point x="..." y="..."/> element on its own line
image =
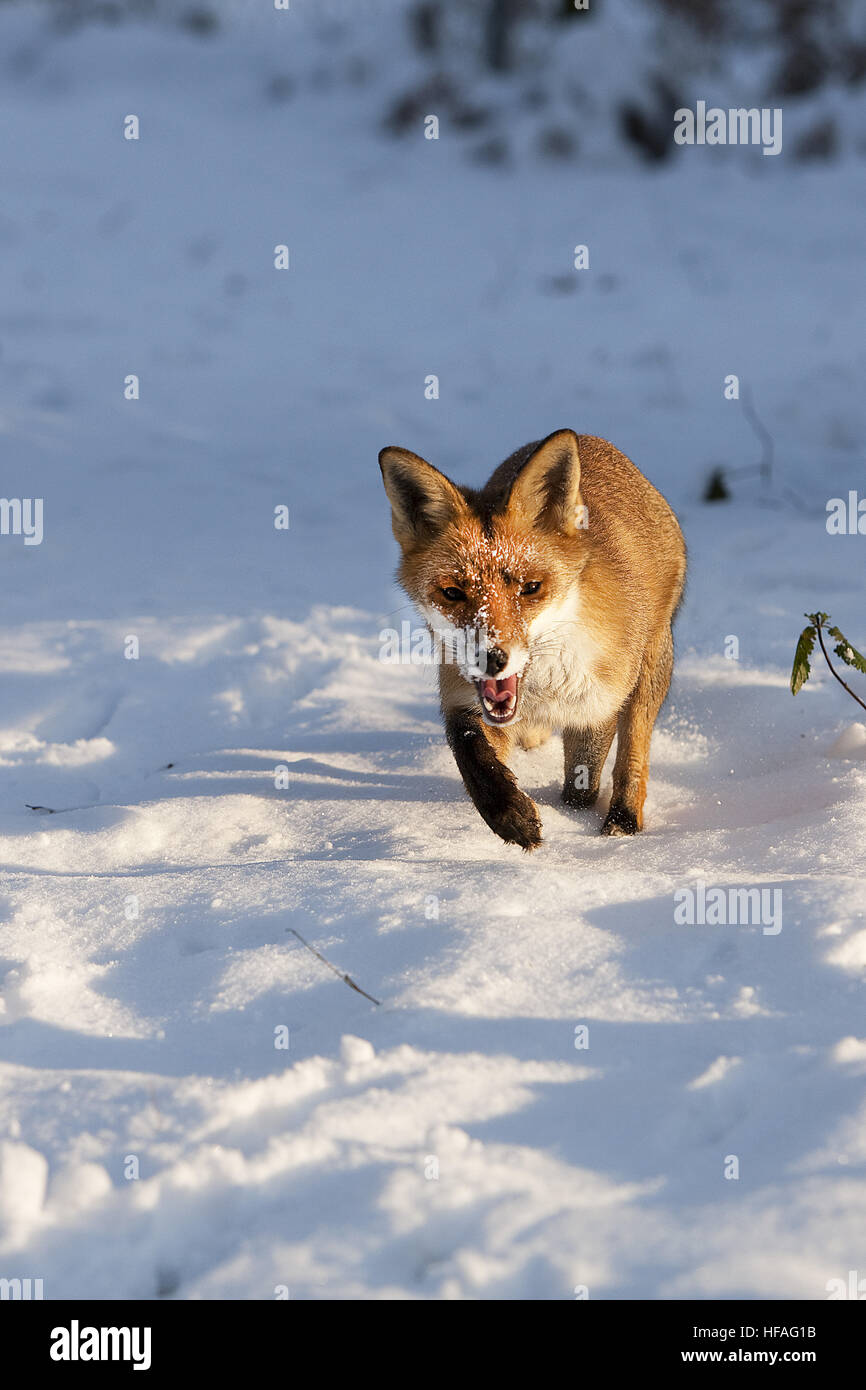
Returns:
<point x="485" y="593"/>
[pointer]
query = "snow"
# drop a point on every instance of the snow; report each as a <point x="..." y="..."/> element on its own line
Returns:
<point x="456" y="1140"/>
<point x="851" y="743"/>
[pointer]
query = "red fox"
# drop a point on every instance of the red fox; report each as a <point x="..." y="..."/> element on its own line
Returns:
<point x="569" y="566"/>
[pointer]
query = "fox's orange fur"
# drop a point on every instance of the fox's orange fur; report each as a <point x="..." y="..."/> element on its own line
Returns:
<point x="572" y="564"/>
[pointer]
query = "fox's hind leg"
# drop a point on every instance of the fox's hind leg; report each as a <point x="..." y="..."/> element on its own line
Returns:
<point x="585" y="754"/>
<point x="636" y="720"/>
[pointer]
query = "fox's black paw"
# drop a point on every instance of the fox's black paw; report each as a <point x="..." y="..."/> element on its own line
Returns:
<point x="517" y="822"/>
<point x="620" y="821"/>
<point x="579" y="798"/>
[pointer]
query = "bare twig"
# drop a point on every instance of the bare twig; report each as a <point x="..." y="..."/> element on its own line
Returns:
<point x="347" y="979"/>
<point x="767" y="447"/>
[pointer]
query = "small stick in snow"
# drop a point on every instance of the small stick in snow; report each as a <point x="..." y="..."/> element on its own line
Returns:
<point x="347" y="978"/>
<point x="767" y="449"/>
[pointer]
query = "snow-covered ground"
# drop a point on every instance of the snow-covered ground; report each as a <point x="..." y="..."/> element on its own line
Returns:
<point x="452" y="1140"/>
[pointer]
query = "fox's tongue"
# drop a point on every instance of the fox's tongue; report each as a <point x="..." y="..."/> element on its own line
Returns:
<point x="499" y="699"/>
<point x="499" y="692"/>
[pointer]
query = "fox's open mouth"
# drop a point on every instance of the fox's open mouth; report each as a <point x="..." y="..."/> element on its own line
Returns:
<point x="499" y="698"/>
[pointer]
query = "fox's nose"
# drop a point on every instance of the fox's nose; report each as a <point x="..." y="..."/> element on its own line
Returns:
<point x="496" y="659"/>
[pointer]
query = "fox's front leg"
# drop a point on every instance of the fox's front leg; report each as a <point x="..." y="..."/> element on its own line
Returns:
<point x="500" y="802"/>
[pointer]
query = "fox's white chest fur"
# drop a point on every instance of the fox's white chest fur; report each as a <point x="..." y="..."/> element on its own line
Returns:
<point x="562" y="684"/>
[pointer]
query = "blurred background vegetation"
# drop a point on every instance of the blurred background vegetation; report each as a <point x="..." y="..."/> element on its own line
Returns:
<point x="532" y="75"/>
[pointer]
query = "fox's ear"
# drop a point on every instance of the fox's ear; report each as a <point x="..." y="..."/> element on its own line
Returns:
<point x="422" y="499"/>
<point x="546" y="491"/>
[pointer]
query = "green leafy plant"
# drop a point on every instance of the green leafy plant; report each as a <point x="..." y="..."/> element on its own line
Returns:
<point x="818" y="627"/>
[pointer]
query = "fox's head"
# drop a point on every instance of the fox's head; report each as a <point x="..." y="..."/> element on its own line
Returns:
<point x="491" y="571"/>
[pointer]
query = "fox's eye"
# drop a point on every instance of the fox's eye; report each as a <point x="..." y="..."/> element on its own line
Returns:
<point x="532" y="587"/>
<point x="454" y="595"/>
